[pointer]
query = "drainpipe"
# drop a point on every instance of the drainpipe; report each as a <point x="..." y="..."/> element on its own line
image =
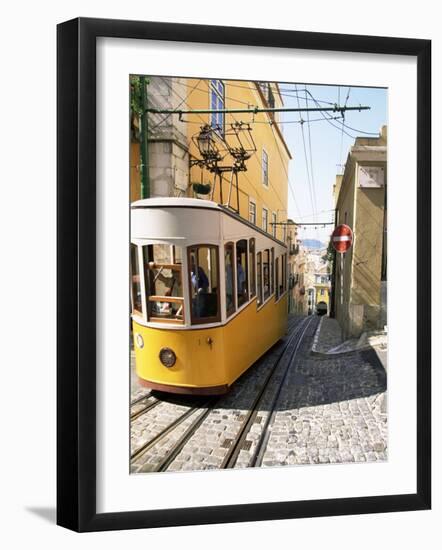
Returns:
<point x="145" y="183"/>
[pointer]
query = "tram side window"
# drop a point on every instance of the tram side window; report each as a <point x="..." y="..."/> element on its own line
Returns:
<point x="277" y="277"/>
<point x="272" y="271"/>
<point x="266" y="273"/>
<point x="284" y="267"/>
<point x="204" y="283"/>
<point x="137" y="306"/>
<point x="242" y="272"/>
<point x="164" y="286"/>
<point x="252" y="268"/>
<point x="259" y="276"/>
<point x="281" y="277"/>
<point x="230" y="278"/>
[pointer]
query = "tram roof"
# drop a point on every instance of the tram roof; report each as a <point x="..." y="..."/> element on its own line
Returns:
<point x="184" y="202"/>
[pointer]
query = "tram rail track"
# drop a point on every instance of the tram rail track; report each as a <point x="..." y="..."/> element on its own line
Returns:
<point x="294" y="328"/>
<point x="138" y="399"/>
<point x="231" y="457"/>
<point x="149" y="406"/>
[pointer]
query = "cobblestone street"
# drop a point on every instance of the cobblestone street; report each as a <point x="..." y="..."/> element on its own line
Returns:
<point x="329" y="409"/>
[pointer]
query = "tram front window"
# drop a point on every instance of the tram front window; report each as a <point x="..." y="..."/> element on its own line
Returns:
<point x="164" y="288"/>
<point x="135" y="277"/>
<point x="203" y="283"/>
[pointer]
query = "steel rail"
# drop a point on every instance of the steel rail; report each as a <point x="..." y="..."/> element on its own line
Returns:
<point x="234" y="450"/>
<point x="138" y="399"/>
<point x="145" y="409"/>
<point x="152" y="442"/>
<point x="261" y="447"/>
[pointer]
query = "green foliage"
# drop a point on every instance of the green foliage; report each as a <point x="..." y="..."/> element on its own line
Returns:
<point x="329" y="255"/>
<point x="136" y="87"/>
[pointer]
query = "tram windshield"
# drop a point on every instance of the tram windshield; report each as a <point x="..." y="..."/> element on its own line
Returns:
<point x="164" y="287"/>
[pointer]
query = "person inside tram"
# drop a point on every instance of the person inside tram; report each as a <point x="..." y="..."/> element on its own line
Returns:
<point x="229" y="281"/>
<point x="241" y="280"/>
<point x="200" y="285"/>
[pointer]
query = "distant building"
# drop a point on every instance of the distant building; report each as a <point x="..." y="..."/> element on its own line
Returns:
<point x="312" y="281"/>
<point x="322" y="290"/>
<point x="293" y="244"/>
<point x="361" y="202"/>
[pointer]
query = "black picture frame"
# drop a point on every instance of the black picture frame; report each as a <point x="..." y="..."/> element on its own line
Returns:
<point x="76" y="274"/>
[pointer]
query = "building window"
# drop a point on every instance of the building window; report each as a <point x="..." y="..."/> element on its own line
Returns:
<point x="265" y="168"/>
<point x="216" y="103"/>
<point x="252" y="267"/>
<point x="322" y="292"/>
<point x="284" y="233"/>
<point x="265" y="219"/>
<point x="252" y="211"/>
<point x="137" y="306"/>
<point x="268" y="94"/>
<point x="230" y="278"/>
<point x="164" y="288"/>
<point x="242" y="272"/>
<point x="274" y="224"/>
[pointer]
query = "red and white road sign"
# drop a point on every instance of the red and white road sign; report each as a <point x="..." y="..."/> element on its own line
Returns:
<point x="342" y="238"/>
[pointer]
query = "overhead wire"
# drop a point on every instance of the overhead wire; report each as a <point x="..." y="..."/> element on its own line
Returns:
<point x="305" y="155"/>
<point x="311" y="155"/>
<point x="183" y="100"/>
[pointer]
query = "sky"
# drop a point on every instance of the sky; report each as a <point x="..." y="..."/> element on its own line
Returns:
<point x="326" y="147"/>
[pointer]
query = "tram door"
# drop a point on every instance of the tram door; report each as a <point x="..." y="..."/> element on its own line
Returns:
<point x="206" y="344"/>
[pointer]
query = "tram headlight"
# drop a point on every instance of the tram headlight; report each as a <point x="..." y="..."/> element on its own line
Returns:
<point x="139" y="340"/>
<point x="167" y="357"/>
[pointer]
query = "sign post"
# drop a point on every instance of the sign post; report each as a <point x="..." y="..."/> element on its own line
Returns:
<point x="342" y="239"/>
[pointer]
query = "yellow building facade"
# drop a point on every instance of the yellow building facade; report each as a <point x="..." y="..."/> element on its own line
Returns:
<point x="173" y="147"/>
<point x="263" y="187"/>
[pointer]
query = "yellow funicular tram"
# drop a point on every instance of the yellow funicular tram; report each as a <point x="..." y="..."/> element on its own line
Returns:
<point x="209" y="294"/>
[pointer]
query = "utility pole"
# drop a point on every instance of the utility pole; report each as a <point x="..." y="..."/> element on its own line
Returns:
<point x="144" y="145"/>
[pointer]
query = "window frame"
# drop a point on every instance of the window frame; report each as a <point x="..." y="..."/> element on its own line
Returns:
<point x="230" y="312"/>
<point x="220" y="97"/>
<point x="136" y="312"/>
<point x="266" y="251"/>
<point x="247" y="294"/>
<point x="157" y="298"/>
<point x="273" y="223"/>
<point x="252" y="267"/>
<point x="259" y="292"/>
<point x="203" y="320"/>
<point x="265" y="178"/>
<point x="264" y="209"/>
<point x="252" y="201"/>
